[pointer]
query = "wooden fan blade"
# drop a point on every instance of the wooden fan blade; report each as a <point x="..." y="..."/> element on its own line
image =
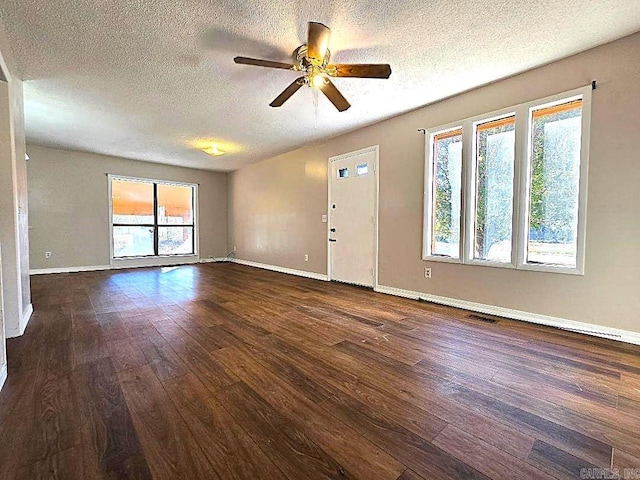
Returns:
<point x="361" y="70"/>
<point x="288" y="92"/>
<point x="262" y="63"/>
<point x="334" y="95"/>
<point x="318" y="40"/>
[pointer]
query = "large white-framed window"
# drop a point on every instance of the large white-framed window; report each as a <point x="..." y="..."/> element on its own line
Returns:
<point x="522" y="191"/>
<point x="443" y="195"/>
<point x="151" y="218"/>
<point x="492" y="169"/>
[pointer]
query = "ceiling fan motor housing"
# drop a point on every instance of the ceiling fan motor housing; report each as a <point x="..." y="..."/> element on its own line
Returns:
<point x="300" y="56"/>
<point x="312" y="67"/>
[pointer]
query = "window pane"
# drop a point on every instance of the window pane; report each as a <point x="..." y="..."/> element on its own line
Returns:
<point x="175" y="204"/>
<point x="554" y="184"/>
<point x="175" y="240"/>
<point x="132" y="201"/>
<point x="495" y="157"/>
<point x="447" y="183"/>
<point x="132" y="241"/>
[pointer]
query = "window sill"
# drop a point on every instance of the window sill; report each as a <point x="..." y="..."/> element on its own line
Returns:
<point x="429" y="258"/>
<point x="552" y="269"/>
<point x="159" y="261"/>
<point x="489" y="263"/>
<point x="508" y="266"/>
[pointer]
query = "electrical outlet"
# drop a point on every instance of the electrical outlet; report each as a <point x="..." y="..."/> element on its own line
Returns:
<point x="427" y="273"/>
<point x="47" y="254"/>
<point x="306" y="257"/>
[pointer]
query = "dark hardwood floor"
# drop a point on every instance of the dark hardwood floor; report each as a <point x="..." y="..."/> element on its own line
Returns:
<point x="225" y="371"/>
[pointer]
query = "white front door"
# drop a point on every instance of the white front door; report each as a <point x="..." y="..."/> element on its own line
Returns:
<point x="352" y="217"/>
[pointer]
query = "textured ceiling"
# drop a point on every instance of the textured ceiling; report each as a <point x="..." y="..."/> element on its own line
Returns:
<point x="145" y="79"/>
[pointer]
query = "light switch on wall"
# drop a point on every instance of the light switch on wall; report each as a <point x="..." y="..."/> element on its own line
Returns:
<point x="324" y="219"/>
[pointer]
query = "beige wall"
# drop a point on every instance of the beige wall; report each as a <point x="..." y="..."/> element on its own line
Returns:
<point x="69" y="206"/>
<point x="275" y="206"/>
<point x="275" y="211"/>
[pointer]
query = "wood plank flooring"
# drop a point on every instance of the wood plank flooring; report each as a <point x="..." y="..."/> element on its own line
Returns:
<point x="222" y="371"/>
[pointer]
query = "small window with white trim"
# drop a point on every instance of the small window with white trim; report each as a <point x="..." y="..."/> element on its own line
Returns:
<point x="343" y="172"/>
<point x="362" y="169"/>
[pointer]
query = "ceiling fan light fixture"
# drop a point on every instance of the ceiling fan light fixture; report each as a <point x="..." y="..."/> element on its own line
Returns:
<point x="317" y="80"/>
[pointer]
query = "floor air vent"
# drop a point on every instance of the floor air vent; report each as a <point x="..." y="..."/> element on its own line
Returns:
<point x="483" y="318"/>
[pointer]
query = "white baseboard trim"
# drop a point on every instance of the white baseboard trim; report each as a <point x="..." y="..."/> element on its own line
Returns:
<point x="26" y="316"/>
<point x="22" y="324"/>
<point x="117" y="266"/>
<point x="290" y="271"/>
<point x="562" y="323"/>
<point x="161" y="261"/>
<point x="90" y="268"/>
<point x="3" y="375"/>
<point x="214" y="260"/>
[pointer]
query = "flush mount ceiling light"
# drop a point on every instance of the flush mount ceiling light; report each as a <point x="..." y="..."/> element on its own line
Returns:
<point x="213" y="150"/>
<point x="214" y="146"/>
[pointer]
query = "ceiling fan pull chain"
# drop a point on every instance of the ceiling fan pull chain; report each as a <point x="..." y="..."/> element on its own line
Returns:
<point x="314" y="94"/>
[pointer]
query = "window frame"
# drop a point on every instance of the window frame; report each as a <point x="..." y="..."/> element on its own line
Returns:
<point x="521" y="184"/>
<point x="155" y="225"/>
<point x="427" y="234"/>
<point x="585" y="94"/>
<point x="470" y="205"/>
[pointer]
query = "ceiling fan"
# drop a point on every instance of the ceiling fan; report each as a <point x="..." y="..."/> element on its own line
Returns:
<point x="312" y="59"/>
